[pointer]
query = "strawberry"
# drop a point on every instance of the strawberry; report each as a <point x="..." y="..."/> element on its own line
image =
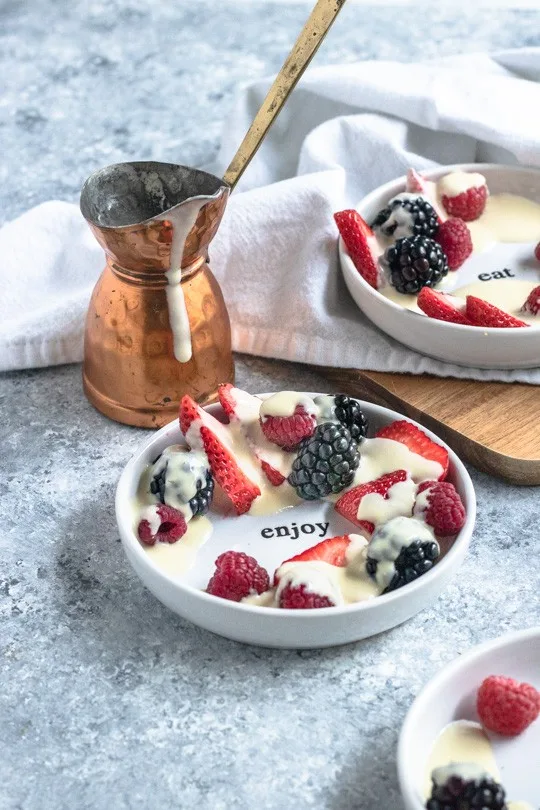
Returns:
<point x="415" y="182"/>
<point x="244" y="408"/>
<point x="229" y="400"/>
<point x="455" y="239"/>
<point x="214" y="438"/>
<point x="417" y="442"/>
<point x="332" y="551"/>
<point x="481" y="313"/>
<point x="468" y="205"/>
<point x="361" y="243"/>
<point x="274" y="476"/>
<point x="532" y="304"/>
<point x="442" y="306"/>
<point x="349" y="503"/>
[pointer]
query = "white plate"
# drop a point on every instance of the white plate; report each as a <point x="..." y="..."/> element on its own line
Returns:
<point x="451" y="695"/>
<point x="293" y="629"/>
<point x="464" y="345"/>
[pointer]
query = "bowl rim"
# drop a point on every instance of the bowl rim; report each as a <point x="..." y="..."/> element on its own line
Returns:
<point x="129" y="539"/>
<point x="397" y="185"/>
<point x="435" y="685"/>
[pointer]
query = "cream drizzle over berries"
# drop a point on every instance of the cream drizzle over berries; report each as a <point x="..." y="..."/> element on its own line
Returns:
<point x="399" y="500"/>
<point x="284" y="403"/>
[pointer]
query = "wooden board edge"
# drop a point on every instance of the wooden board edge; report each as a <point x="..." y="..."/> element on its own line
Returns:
<point x="522" y="472"/>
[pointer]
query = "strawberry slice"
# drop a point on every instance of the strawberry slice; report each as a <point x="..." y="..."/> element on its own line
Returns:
<point x="361" y="243"/>
<point x="417" y="442"/>
<point x="243" y="408"/>
<point x="481" y="313"/>
<point x="332" y="551"/>
<point x="415" y="182"/>
<point x="274" y="476"/>
<point x="442" y="306"/>
<point x="204" y="432"/>
<point x="349" y="503"/>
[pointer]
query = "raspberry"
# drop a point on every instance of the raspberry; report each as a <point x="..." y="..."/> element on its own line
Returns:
<point x="455" y="239"/>
<point x="171" y="528"/>
<point x="298" y="598"/>
<point x="237" y="575"/>
<point x="532" y="304"/>
<point x="288" y="431"/>
<point x="468" y="205"/>
<point x="481" y="313"/>
<point x="444" y="512"/>
<point x="506" y="706"/>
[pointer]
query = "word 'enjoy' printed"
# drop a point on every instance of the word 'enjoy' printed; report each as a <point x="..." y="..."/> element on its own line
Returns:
<point x="293" y="530"/>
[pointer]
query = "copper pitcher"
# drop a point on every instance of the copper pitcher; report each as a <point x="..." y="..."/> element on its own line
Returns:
<point x="157" y="326"/>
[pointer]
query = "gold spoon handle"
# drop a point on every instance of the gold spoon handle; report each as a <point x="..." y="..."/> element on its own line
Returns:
<point x="305" y="47"/>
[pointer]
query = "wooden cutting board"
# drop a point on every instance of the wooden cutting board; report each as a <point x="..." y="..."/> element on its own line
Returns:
<point x="494" y="426"/>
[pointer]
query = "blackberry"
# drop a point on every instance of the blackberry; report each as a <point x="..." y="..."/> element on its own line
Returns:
<point x="325" y="463"/>
<point x="200" y="503"/>
<point x="407" y="217"/>
<point x="157" y="484"/>
<point x="413" y="561"/>
<point x="350" y="414"/>
<point x="464" y="791"/>
<point x="415" y="262"/>
<point x="406" y="543"/>
<point x="176" y="474"/>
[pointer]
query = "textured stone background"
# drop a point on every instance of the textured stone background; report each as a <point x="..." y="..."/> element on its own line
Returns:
<point x="107" y="699"/>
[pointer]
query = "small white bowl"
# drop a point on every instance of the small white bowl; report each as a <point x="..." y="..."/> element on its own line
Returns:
<point x="451" y="695"/>
<point x="463" y="345"/>
<point x="270" y="627"/>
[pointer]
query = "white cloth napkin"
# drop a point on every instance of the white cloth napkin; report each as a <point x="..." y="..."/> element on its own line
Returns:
<point x="345" y="130"/>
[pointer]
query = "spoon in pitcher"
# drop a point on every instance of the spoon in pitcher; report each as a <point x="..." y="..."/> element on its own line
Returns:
<point x="314" y="31"/>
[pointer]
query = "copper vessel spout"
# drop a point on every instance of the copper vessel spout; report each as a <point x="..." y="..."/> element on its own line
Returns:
<point x="157" y="326"/>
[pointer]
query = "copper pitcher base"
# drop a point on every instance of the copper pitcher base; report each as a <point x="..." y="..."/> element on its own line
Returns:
<point x="138" y="417"/>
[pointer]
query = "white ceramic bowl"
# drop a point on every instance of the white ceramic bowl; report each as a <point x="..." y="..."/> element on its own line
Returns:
<point x="464" y="345"/>
<point x="450" y="696"/>
<point x="270" y="627"/>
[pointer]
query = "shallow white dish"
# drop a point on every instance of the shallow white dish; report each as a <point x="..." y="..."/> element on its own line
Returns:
<point x="293" y="629"/>
<point x="450" y="696"/>
<point x="464" y="345"/>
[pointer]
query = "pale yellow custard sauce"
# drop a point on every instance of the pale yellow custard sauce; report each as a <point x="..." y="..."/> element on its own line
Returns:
<point x="495" y="272"/>
<point x="462" y="746"/>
